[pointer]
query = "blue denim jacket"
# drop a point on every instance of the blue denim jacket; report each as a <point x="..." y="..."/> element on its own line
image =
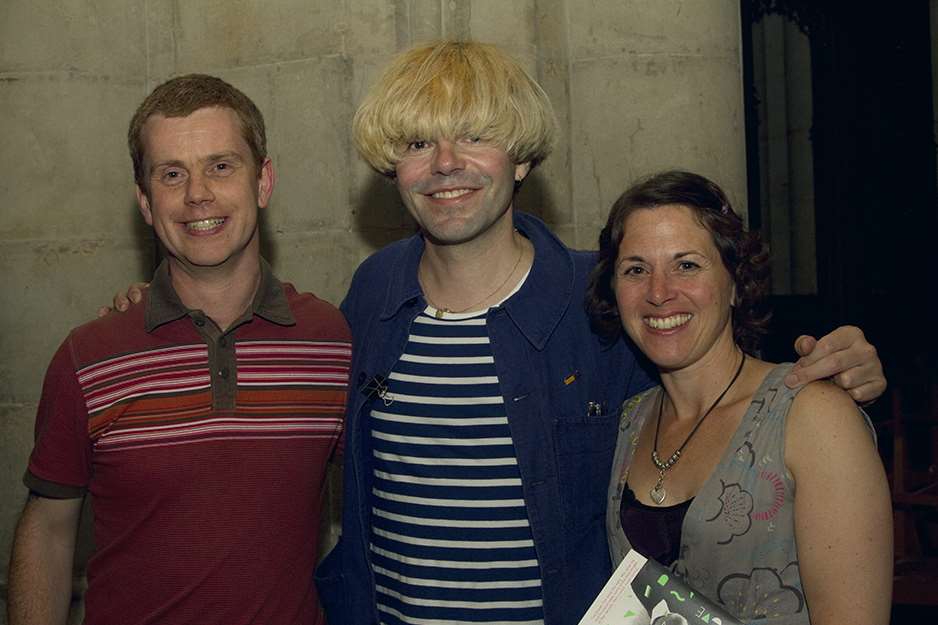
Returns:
<point x="562" y="391"/>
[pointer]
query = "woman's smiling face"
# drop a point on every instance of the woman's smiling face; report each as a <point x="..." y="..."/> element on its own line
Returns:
<point x="673" y="292"/>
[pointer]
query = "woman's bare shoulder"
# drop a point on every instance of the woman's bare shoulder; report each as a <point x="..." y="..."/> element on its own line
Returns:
<point x="825" y="420"/>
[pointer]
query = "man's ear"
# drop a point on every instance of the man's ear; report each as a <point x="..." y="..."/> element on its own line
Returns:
<point x="265" y="183"/>
<point x="143" y="203"/>
<point x="521" y="171"/>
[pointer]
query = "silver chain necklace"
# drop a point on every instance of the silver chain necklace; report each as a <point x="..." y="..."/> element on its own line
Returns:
<point x="441" y="311"/>
<point x="657" y="493"/>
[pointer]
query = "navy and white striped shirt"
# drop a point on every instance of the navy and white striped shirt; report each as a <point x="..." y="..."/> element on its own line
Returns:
<point x="450" y="537"/>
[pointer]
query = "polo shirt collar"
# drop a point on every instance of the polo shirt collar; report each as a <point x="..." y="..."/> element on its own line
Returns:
<point x="163" y="304"/>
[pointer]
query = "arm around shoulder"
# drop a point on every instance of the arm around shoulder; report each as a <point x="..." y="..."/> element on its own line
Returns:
<point x="843" y="513"/>
<point x="40" y="584"/>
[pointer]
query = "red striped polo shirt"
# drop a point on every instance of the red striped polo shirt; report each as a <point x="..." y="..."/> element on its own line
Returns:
<point x="204" y="453"/>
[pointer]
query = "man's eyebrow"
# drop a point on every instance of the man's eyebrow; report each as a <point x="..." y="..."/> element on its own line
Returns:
<point x="223" y="156"/>
<point x="166" y="163"/>
<point x="211" y="158"/>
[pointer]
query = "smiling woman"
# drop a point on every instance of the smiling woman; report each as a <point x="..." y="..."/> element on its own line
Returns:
<point x="673" y="292"/>
<point x="741" y="252"/>
<point x="706" y="468"/>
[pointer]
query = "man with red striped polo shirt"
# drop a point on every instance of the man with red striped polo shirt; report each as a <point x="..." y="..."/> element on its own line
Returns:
<point x="201" y="421"/>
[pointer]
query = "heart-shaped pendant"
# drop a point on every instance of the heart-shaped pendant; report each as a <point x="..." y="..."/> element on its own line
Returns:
<point x="657" y="494"/>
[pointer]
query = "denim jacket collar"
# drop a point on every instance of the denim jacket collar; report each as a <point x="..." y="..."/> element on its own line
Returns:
<point x="535" y="309"/>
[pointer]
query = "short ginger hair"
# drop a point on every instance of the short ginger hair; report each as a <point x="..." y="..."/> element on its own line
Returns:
<point x="182" y="96"/>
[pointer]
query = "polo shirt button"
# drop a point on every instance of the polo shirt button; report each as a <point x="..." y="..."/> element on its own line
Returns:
<point x="223" y="373"/>
<point x="199" y="321"/>
<point x="223" y="342"/>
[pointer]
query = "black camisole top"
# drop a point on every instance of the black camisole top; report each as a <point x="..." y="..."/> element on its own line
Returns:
<point x="653" y="531"/>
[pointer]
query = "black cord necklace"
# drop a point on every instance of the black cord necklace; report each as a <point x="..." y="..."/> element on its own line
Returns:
<point x="657" y="493"/>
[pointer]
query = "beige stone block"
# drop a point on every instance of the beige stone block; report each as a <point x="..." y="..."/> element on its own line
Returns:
<point x="365" y="73"/>
<point x="602" y="29"/>
<point x="510" y="25"/>
<point x="635" y="116"/>
<point x="310" y="133"/>
<point x="369" y="241"/>
<point x="318" y="262"/>
<point x="417" y="21"/>
<point x="587" y="236"/>
<point x="68" y="172"/>
<point x="567" y="234"/>
<point x="542" y="194"/>
<point x="553" y="75"/>
<point x="372" y="28"/>
<point x="184" y="39"/>
<point x="212" y="35"/>
<point x="50" y="287"/>
<point x="376" y="202"/>
<point x="546" y="191"/>
<point x="161" y="21"/>
<point x="105" y="37"/>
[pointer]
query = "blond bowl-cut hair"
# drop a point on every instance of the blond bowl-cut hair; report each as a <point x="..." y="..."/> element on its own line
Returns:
<point x="454" y="89"/>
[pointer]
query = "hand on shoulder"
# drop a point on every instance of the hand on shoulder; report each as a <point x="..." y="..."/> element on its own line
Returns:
<point x="845" y="357"/>
<point x="123" y="301"/>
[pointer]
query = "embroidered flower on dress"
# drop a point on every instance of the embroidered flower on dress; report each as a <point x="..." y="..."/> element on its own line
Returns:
<point x="762" y="593"/>
<point x="735" y="511"/>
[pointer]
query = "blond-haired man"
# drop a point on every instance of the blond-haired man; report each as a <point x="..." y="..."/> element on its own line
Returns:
<point x="480" y="437"/>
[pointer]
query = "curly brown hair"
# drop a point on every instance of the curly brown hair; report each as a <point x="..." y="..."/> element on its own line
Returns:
<point x="744" y="255"/>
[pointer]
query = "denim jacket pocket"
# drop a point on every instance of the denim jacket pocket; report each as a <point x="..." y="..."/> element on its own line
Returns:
<point x="584" y="449"/>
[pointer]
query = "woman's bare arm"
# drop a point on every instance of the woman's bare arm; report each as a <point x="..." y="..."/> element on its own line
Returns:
<point x="843" y="512"/>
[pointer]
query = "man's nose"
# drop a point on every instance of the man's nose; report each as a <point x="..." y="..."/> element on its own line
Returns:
<point x="198" y="190"/>
<point x="447" y="157"/>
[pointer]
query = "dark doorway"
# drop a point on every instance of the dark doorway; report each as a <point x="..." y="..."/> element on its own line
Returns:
<point x="874" y="178"/>
<point x="872" y="141"/>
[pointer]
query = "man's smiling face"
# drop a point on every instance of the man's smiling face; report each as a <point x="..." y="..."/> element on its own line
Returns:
<point x="203" y="188"/>
<point x="457" y="189"/>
